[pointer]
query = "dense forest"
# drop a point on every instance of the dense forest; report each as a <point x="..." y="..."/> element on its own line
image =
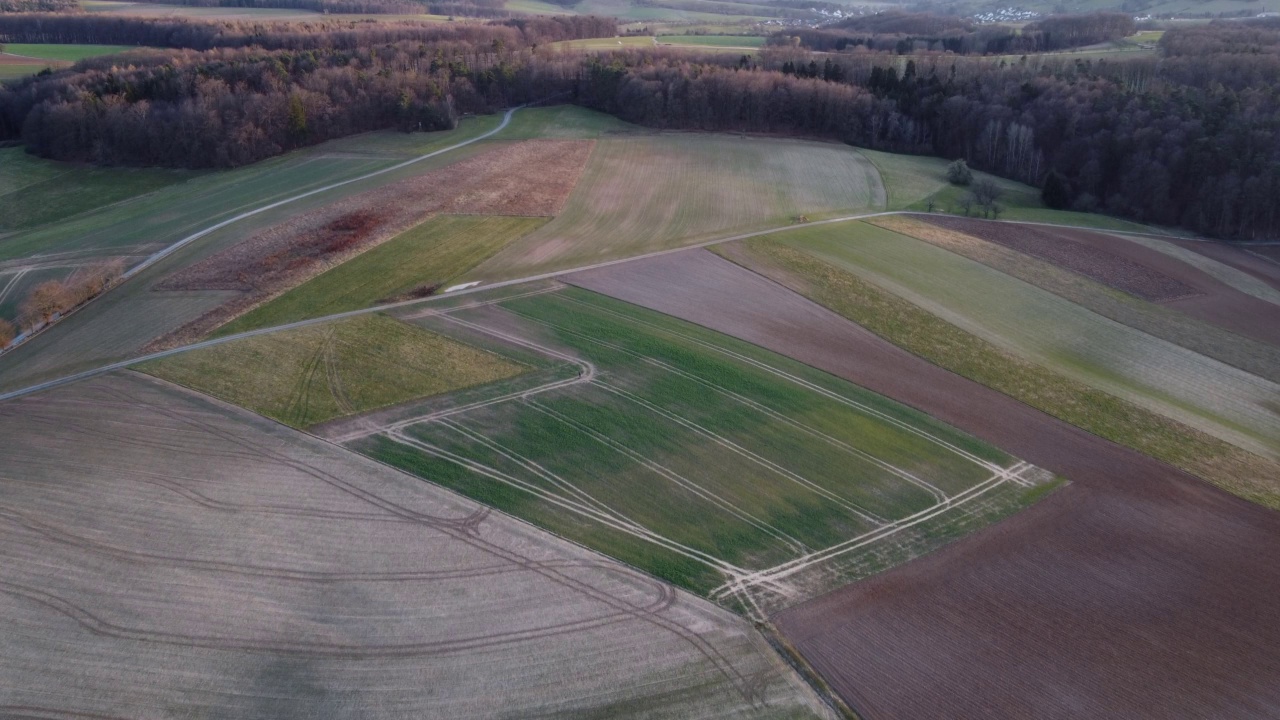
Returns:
<point x="30" y="6"/>
<point x="907" y="33"/>
<point x="1190" y="138"/>
<point x="321" y="34"/>
<point x="462" y="8"/>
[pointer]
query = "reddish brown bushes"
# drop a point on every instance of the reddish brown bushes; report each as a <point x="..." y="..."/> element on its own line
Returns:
<point x="56" y="297"/>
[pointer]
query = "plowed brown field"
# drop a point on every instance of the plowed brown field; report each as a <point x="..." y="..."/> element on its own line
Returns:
<point x="1135" y="269"/>
<point x="1138" y="591"/>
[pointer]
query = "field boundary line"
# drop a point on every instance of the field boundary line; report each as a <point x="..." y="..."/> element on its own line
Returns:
<point x="47" y="384"/>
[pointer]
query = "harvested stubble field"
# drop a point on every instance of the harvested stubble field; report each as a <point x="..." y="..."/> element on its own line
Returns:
<point x="720" y="467"/>
<point x="312" y="374"/>
<point x="531" y="178"/>
<point x="1136" y="269"/>
<point x="651" y="192"/>
<point x="1137" y="591"/>
<point x="1049" y="330"/>
<point x="423" y="259"/>
<point x="1255" y="356"/>
<point x="173" y="556"/>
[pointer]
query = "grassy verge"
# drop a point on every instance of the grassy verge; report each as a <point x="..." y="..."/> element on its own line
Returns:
<point x="433" y="253"/>
<point x="309" y="375"/>
<point x="1100" y="413"/>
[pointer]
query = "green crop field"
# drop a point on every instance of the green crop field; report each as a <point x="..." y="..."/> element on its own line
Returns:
<point x="434" y="253"/>
<point x="713" y="41"/>
<point x="651" y="192"/>
<point x="1223" y="401"/>
<point x="68" y="53"/>
<point x="35" y="191"/>
<point x="309" y="375"/>
<point x="567" y="122"/>
<point x="707" y="461"/>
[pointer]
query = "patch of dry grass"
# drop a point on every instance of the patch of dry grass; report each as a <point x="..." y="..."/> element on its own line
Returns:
<point x="309" y="375"/>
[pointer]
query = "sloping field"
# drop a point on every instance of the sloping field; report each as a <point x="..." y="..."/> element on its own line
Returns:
<point x="1254" y="356"/>
<point x="172" y="556"/>
<point x="1137" y="591"/>
<point x="1262" y="262"/>
<point x="1135" y="269"/>
<point x="531" y="178"/>
<point x="647" y="193"/>
<point x="121" y="322"/>
<point x="35" y="191"/>
<point x="722" y="468"/>
<point x="66" y="53"/>
<point x="1206" y="394"/>
<point x="912" y="181"/>
<point x="427" y="257"/>
<point x="309" y="375"/>
<point x="1147" y="276"/>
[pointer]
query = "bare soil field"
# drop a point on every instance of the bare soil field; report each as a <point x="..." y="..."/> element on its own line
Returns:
<point x="1136" y="269"/>
<point x="530" y="178"/>
<point x="1081" y="251"/>
<point x="1138" y="591"/>
<point x="162" y="554"/>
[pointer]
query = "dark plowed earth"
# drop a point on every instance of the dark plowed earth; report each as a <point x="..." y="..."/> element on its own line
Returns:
<point x="1079" y="251"/>
<point x="1136" y="269"/>
<point x="1137" y="591"/>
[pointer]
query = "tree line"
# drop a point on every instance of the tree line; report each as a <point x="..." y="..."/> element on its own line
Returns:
<point x="907" y="33"/>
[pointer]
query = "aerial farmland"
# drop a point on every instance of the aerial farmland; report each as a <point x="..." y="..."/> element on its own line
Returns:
<point x="417" y="359"/>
